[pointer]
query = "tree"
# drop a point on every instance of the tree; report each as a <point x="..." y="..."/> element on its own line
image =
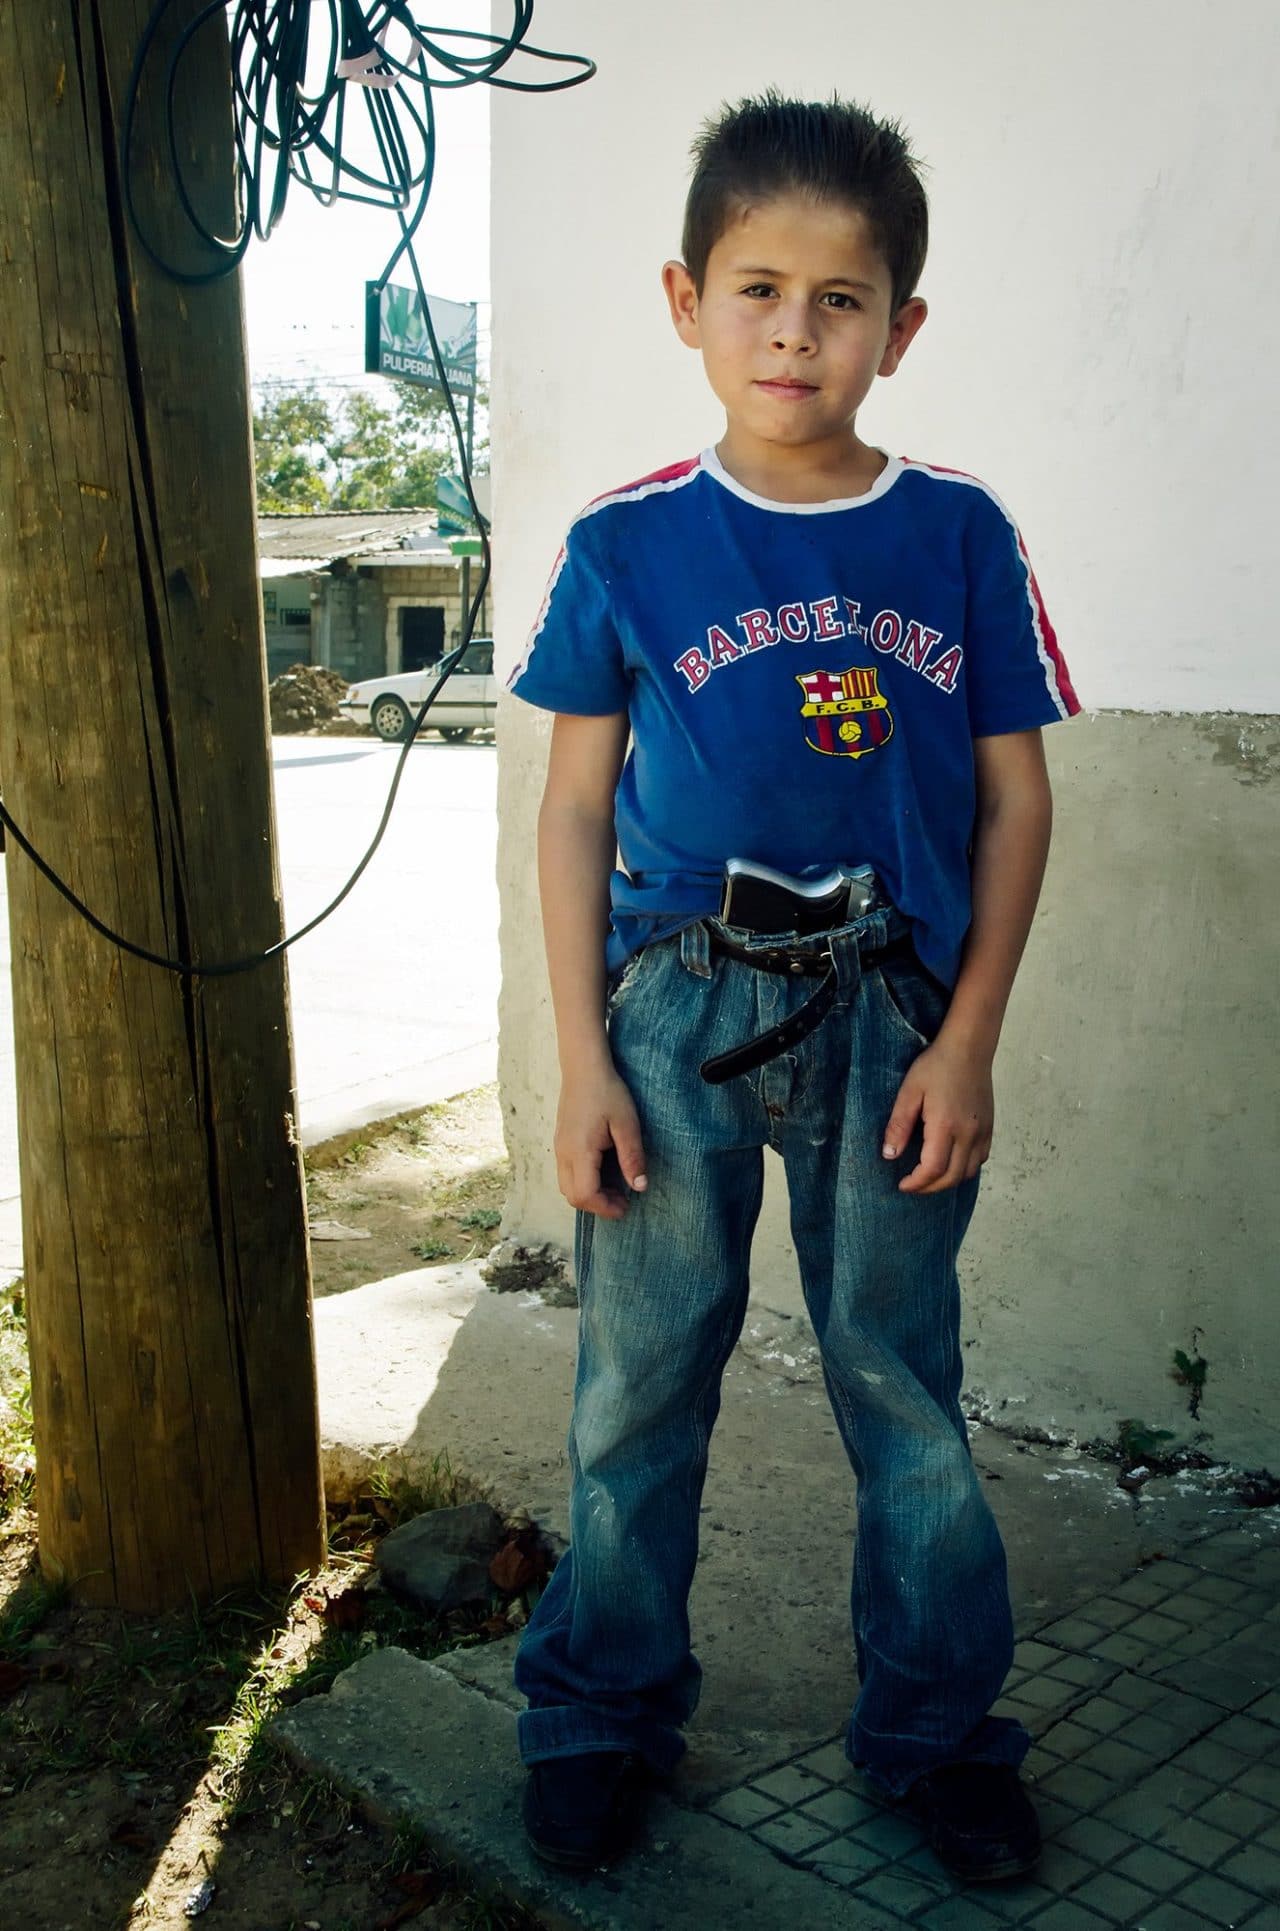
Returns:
<point x="290" y="436"/>
<point x="355" y="454"/>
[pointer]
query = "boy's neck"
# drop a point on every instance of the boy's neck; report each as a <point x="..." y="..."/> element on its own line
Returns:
<point x="805" y="473"/>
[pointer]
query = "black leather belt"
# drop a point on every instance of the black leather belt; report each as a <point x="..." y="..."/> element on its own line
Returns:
<point x="800" y="962"/>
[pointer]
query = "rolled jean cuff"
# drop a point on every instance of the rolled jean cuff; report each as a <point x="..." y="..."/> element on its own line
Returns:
<point x="997" y="1739"/>
<point x="572" y="1730"/>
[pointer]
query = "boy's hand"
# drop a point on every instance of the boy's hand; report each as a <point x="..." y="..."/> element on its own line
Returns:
<point x="598" y="1138"/>
<point x="949" y="1086"/>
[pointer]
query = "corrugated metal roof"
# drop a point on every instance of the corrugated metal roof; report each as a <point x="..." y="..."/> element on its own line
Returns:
<point x="364" y="536"/>
<point x="271" y="567"/>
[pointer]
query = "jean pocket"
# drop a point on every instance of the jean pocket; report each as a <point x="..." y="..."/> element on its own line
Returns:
<point x="915" y="1001"/>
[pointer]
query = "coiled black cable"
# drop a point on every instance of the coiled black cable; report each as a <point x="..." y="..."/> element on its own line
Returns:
<point x="290" y="98"/>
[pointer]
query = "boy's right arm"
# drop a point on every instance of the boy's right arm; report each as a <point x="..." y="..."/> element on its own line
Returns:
<point x="576" y="849"/>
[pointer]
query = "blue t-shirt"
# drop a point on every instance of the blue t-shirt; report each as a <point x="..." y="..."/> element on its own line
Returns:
<point x="804" y="682"/>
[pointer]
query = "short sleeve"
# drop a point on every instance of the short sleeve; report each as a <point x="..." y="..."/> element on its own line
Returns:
<point x="573" y="660"/>
<point x="1015" y="674"/>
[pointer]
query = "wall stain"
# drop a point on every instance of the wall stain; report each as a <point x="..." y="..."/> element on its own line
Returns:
<point x="1249" y="746"/>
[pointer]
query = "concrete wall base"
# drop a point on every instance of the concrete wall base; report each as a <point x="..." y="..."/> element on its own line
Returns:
<point x="1130" y="1206"/>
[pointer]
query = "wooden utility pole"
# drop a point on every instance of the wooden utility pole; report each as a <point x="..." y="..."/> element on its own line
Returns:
<point x="173" y="1375"/>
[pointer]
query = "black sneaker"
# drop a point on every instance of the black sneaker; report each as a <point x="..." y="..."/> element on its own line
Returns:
<point x="980" y="1821"/>
<point x="580" y="1812"/>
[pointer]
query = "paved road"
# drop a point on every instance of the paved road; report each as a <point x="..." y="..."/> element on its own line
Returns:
<point x="395" y="997"/>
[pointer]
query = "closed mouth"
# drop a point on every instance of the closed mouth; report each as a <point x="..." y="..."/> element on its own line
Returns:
<point x="783" y="385"/>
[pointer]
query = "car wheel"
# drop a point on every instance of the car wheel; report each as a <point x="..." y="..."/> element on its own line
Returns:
<point x="455" y="731"/>
<point x="390" y="719"/>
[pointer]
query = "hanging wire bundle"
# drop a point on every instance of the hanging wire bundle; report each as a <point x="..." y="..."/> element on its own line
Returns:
<point x="293" y="66"/>
<point x="294" y="63"/>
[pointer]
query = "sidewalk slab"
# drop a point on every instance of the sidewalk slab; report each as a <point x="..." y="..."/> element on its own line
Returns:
<point x="416" y="1747"/>
<point x="1156" y="1772"/>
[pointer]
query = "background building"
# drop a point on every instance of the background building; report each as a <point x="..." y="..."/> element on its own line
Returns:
<point x="1104" y="186"/>
<point x="360" y="591"/>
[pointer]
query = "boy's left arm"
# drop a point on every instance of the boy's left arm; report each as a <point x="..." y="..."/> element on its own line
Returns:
<point x="950" y="1083"/>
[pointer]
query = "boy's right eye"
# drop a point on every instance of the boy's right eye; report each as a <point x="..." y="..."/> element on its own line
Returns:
<point x="759" y="288"/>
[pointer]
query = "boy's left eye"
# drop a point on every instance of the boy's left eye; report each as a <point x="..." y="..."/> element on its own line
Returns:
<point x="837" y="298"/>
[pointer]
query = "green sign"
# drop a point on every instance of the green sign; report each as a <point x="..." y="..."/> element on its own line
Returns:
<point x="453" y="509"/>
<point x="396" y="341"/>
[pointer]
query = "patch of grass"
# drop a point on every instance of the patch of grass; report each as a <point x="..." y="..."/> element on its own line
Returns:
<point x="17" y="1442"/>
<point x="485" y="1218"/>
<point x="22" y="1615"/>
<point x="1141" y="1444"/>
<point x="439" y="1489"/>
<point x="431" y="1250"/>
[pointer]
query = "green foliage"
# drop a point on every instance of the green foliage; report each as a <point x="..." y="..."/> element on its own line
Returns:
<point x="355" y="454"/>
<point x="1140" y="1443"/>
<point x="484" y="1218"/>
<point x="431" y="1250"/>
<point x="17" y="1440"/>
<point x="290" y="437"/>
<point x="25" y="1610"/>
<point x="1191" y="1371"/>
<point x="439" y="1489"/>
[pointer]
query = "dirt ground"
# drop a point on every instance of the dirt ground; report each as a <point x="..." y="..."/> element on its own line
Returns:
<point x="134" y="1769"/>
<point x="429" y="1188"/>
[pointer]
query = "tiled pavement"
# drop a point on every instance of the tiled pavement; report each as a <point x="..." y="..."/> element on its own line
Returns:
<point x="1155" y="1710"/>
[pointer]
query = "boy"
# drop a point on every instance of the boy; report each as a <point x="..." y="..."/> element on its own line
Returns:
<point x="833" y="665"/>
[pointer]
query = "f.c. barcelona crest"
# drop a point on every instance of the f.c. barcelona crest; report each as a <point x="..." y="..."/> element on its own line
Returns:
<point x="844" y="712"/>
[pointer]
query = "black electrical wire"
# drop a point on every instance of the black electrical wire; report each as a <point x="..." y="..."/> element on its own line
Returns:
<point x="278" y="126"/>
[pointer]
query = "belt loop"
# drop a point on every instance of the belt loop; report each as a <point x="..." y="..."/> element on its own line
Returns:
<point x="695" y="949"/>
<point x="847" y="960"/>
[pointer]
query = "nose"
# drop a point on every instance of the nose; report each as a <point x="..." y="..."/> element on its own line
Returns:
<point x="793" y="330"/>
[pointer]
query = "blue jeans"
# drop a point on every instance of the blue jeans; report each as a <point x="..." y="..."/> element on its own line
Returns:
<point x="606" y="1663"/>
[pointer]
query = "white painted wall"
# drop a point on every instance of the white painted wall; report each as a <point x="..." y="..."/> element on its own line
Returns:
<point x="1104" y="278"/>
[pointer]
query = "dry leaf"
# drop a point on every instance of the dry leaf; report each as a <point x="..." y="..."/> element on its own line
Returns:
<point x="519" y="1563"/>
<point x="347" y="1610"/>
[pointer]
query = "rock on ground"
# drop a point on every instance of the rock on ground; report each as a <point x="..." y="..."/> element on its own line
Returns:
<point x="441" y="1559"/>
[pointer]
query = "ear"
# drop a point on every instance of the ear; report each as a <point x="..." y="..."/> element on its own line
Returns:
<point x="903" y="329"/>
<point x="682" y="300"/>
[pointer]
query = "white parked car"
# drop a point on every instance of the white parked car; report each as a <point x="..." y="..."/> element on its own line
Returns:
<point x="466" y="703"/>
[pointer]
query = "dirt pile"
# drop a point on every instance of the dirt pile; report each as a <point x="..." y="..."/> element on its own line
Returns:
<point x="305" y="698"/>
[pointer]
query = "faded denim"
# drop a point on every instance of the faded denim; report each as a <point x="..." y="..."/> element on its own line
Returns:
<point x="606" y="1661"/>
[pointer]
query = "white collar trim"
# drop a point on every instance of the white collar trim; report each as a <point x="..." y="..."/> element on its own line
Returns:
<point x="885" y="481"/>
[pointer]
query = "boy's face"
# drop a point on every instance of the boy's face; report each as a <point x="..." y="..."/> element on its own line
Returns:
<point x="794" y="321"/>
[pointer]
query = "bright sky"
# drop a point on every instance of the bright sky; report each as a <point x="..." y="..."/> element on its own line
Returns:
<point x="304" y="288"/>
